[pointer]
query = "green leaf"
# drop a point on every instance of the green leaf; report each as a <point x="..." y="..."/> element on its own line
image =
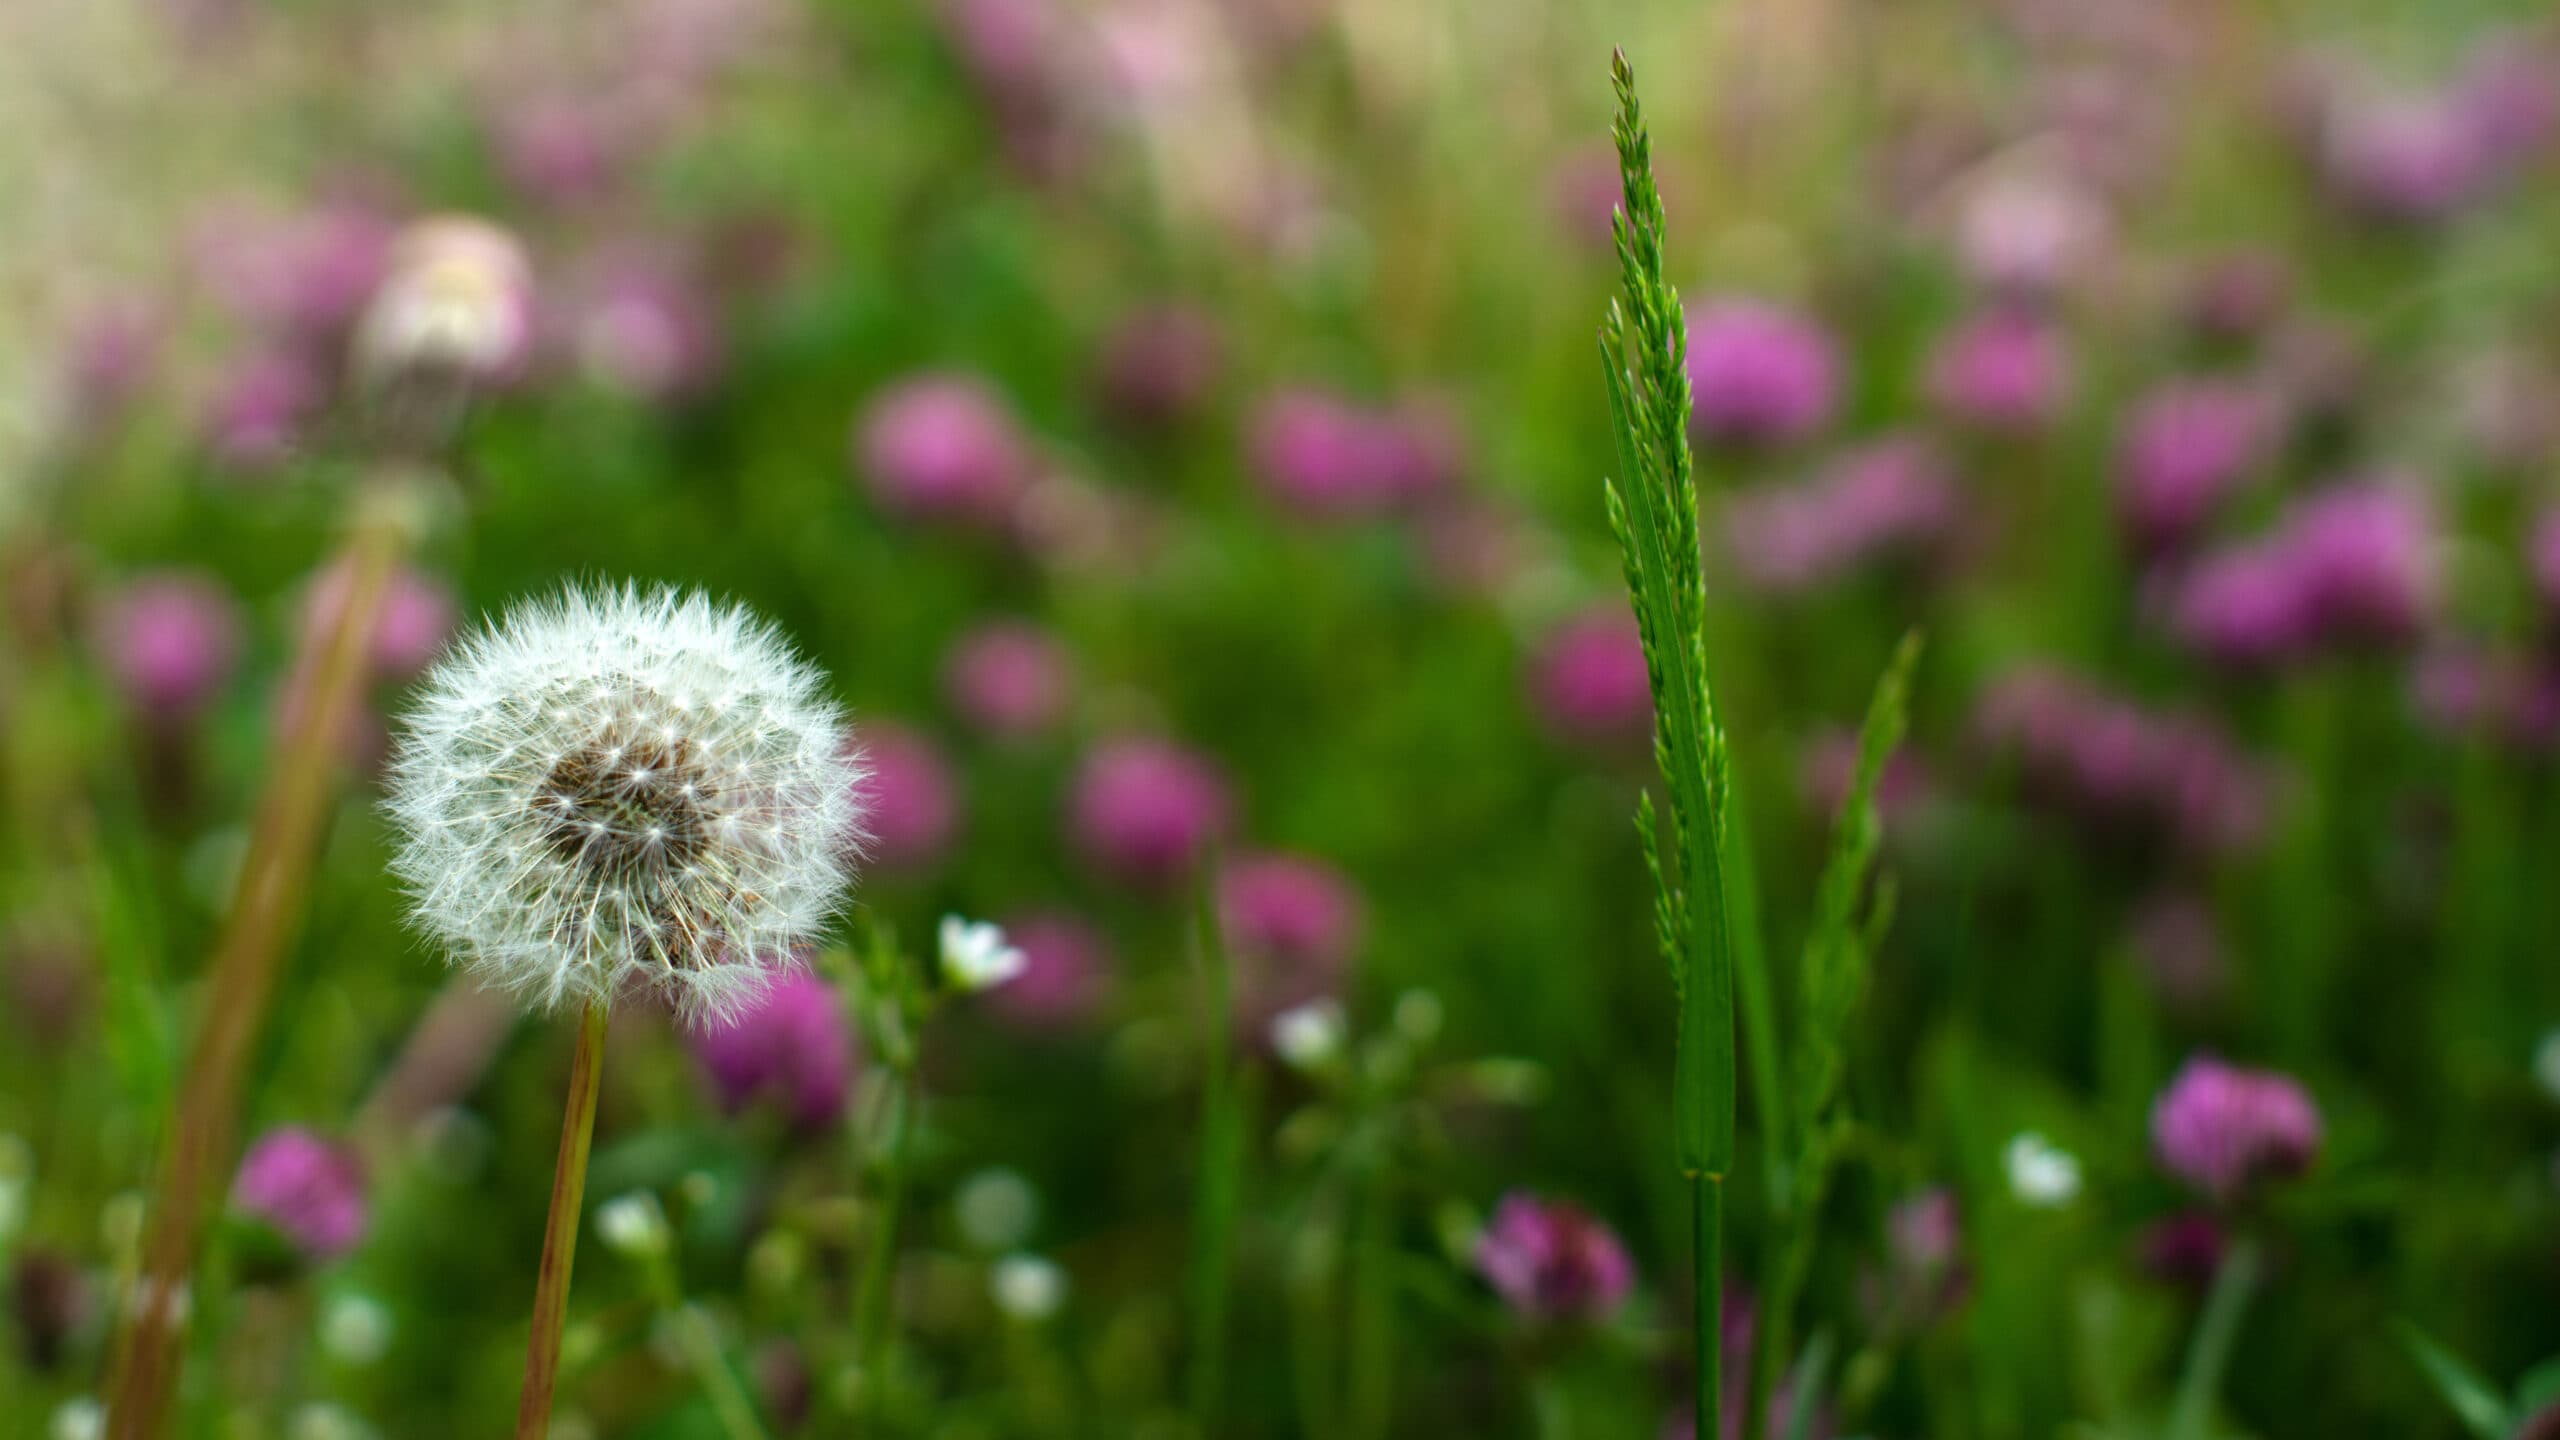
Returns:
<point x="1843" y="940"/>
<point x="2472" y="1398"/>
<point x="2539" y="1387"/>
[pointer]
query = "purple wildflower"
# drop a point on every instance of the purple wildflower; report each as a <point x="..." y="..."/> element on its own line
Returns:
<point x="1759" y="374"/>
<point x="1552" y="1261"/>
<point x="309" y="1190"/>
<point x="942" y="447"/>
<point x="169" y="639"/>
<point x="2004" y="370"/>
<point x="1008" y="680"/>
<point x="911" y="803"/>
<point x="1160" y="365"/>
<point x="1142" y="809"/>
<point x="1065" y="970"/>
<point x="2185" y="446"/>
<point x="2220" y="1127"/>
<point x="1293" y="923"/>
<point x="1891" y="497"/>
<point x="792" y="1044"/>
<point x="1589" y="681"/>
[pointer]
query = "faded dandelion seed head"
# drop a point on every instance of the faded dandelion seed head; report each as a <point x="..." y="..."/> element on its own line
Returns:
<point x="625" y="789"/>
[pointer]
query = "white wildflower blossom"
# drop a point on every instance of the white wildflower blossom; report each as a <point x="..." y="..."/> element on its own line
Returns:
<point x="323" y="1421"/>
<point x="997" y="1209"/>
<point x="625" y="789"/>
<point x="79" y="1419"/>
<point x="1308" y="1035"/>
<point x="17" y="1176"/>
<point x="1027" y="1287"/>
<point x="976" y="955"/>
<point x="2041" y="1174"/>
<point x="459" y="297"/>
<point x="2546" y="1063"/>
<point x="632" y="1224"/>
<point x="355" y="1329"/>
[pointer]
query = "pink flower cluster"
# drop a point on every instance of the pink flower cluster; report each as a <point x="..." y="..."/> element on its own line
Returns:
<point x="1551" y="1260"/>
<point x="307" y="1189"/>
<point x="1890" y="498"/>
<point x="794" y="1045"/>
<point x="1324" y="456"/>
<point x="2184" y="448"/>
<point x="2220" y="1127"/>
<point x="1759" y="374"/>
<point x="2352" y="565"/>
<point x="2119" y="764"/>
<point x="942" y="447"/>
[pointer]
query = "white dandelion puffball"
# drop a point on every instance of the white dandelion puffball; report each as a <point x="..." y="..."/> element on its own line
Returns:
<point x="625" y="789"/>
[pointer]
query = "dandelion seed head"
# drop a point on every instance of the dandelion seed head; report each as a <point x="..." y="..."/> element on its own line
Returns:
<point x="570" y="832"/>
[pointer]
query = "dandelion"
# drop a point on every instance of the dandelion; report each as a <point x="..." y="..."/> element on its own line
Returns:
<point x="458" y="300"/>
<point x="624" y="790"/>
<point x="621" y="791"/>
<point x="976" y="956"/>
<point x="2041" y="1174"/>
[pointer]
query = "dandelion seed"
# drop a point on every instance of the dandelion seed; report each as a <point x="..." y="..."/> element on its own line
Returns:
<point x="569" y="834"/>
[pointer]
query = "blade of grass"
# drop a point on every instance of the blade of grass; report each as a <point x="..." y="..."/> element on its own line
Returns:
<point x="1220" y="1183"/>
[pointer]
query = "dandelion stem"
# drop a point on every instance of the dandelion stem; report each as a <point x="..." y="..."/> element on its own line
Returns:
<point x="1709" y="1337"/>
<point x="560" y="1234"/>
<point x="2210" y="1352"/>
<point x="266" y="910"/>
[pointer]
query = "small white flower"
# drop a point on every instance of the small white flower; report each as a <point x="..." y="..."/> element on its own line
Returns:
<point x="2040" y="1173"/>
<point x="355" y="1329"/>
<point x="459" y="297"/>
<point x="1308" y="1035"/>
<point x="323" y="1421"/>
<point x="996" y="1209"/>
<point x="2546" y="1063"/>
<point x="976" y="955"/>
<point x="1418" y="1016"/>
<point x="632" y="1224"/>
<point x="80" y="1419"/>
<point x="624" y="788"/>
<point x="17" y="1175"/>
<point x="1027" y="1287"/>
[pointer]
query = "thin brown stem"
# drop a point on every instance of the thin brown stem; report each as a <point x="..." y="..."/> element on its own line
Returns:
<point x="266" y="911"/>
<point x="560" y="1234"/>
